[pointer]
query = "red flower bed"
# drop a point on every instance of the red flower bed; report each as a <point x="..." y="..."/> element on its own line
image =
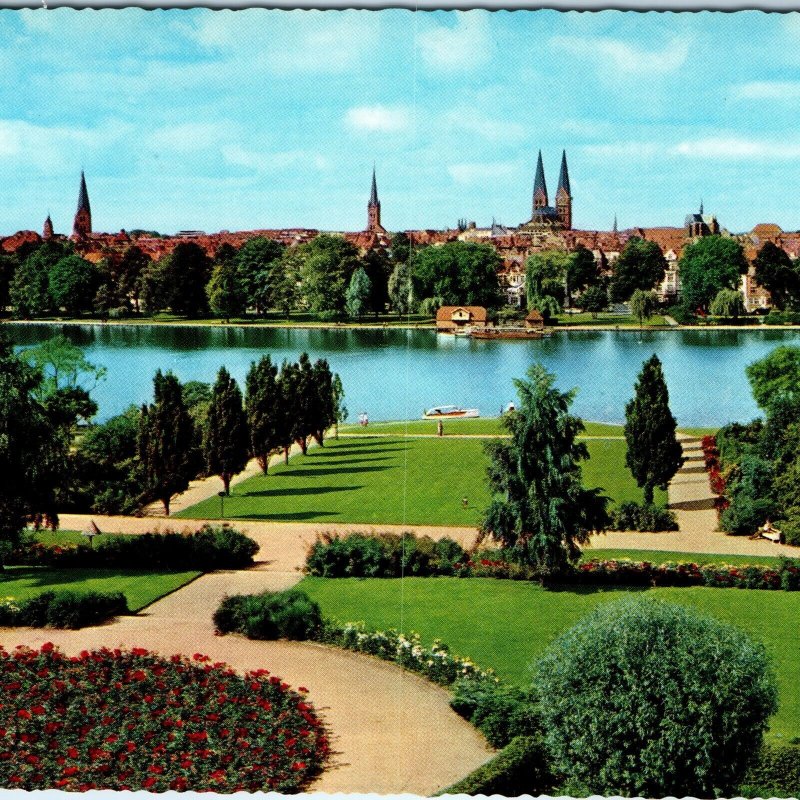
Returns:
<point x="112" y="719"/>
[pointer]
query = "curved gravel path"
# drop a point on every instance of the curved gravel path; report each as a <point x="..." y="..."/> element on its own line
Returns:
<point x="391" y="731"/>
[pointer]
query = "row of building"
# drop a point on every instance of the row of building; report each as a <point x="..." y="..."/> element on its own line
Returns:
<point x="550" y="227"/>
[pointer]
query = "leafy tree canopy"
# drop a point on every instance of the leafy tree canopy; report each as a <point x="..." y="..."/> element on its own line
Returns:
<point x="641" y="265"/>
<point x="776" y="272"/>
<point x="708" y="265"/>
<point x="72" y="282"/>
<point x="727" y="303"/>
<point x="775" y="377"/>
<point x="327" y="264"/>
<point x="358" y="294"/>
<point x="546" y="276"/>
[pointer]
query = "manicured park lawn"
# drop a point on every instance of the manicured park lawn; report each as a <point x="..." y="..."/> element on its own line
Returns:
<point x="482" y="426"/>
<point x="608" y="318"/>
<point x="664" y="556"/>
<point x="393" y="480"/>
<point x="140" y="587"/>
<point x="506" y="624"/>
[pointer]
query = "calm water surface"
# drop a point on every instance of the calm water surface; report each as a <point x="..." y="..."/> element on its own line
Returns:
<point x="394" y="374"/>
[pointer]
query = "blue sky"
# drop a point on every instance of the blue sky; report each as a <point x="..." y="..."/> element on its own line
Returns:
<point x="244" y="119"/>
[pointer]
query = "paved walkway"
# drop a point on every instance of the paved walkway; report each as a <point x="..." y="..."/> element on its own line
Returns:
<point x="392" y="731"/>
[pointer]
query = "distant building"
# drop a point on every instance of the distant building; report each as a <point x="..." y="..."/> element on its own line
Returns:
<point x="450" y="318"/>
<point x="47" y="230"/>
<point x="701" y="224"/>
<point x="543" y="215"/>
<point x="374" y="209"/>
<point x="82" y="226"/>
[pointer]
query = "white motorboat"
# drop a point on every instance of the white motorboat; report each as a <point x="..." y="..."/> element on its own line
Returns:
<point x="450" y="412"/>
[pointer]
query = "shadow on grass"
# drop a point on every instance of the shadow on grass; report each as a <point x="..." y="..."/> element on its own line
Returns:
<point x="338" y="454"/>
<point x="295" y="516"/>
<point x="356" y="458"/>
<point x="299" y="492"/>
<point x="572" y="588"/>
<point x="361" y="443"/>
<point x="47" y="577"/>
<point x="316" y="471"/>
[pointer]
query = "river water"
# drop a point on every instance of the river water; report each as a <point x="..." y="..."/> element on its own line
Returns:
<point x="394" y="374"/>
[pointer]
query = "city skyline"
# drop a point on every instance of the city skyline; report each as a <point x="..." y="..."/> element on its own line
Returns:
<point x="270" y="119"/>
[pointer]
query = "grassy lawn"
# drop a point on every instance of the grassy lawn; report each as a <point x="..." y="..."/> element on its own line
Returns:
<point x="393" y="480"/>
<point x="506" y="624"/>
<point x="482" y="426"/>
<point x="140" y="587"/>
<point x="607" y="318"/>
<point x="664" y="556"/>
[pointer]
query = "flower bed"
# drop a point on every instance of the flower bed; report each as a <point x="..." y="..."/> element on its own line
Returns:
<point x="129" y="720"/>
<point x="716" y="480"/>
<point x="211" y="547"/>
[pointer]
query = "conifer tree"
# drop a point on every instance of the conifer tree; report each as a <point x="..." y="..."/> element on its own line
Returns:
<point x="167" y="444"/>
<point x="654" y="453"/>
<point x="263" y="408"/>
<point x="358" y="294"/>
<point x="540" y="509"/>
<point x="226" y="438"/>
<point x="225" y="292"/>
<point x="286" y="406"/>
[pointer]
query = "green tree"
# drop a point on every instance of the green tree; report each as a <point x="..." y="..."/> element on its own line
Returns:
<point x="8" y="266"/>
<point x="258" y="264"/>
<point x="594" y="300"/>
<point x="582" y="272"/>
<point x="400" y="248"/>
<point x="167" y="442"/>
<point x="776" y="272"/>
<point x="377" y="267"/>
<point x="29" y="293"/>
<point x="654" y="453"/>
<point x="63" y="366"/>
<point x="707" y="266"/>
<point x="643" y="305"/>
<point x="540" y="509"/>
<point x="458" y="273"/>
<point x="327" y="263"/>
<point x="546" y="305"/>
<point x="33" y="455"/>
<point x="72" y="282"/>
<point x="286" y="406"/>
<point x="401" y="288"/>
<point x="546" y="276"/>
<point x="339" y="408"/>
<point x="727" y="303"/>
<point x="226" y="437"/>
<point x="131" y="271"/>
<point x="279" y="285"/>
<point x="775" y="378"/>
<point x="645" y="698"/>
<point x="323" y="401"/>
<point x="262" y="405"/>
<point x="358" y="294"/>
<point x="184" y="275"/>
<point x="226" y="296"/>
<point x="641" y="265"/>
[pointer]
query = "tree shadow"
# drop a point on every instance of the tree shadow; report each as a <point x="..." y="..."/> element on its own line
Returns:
<point x="316" y="471"/>
<point x="300" y="491"/>
<point x="356" y="457"/>
<point x="299" y="516"/>
<point x="705" y="504"/>
<point x="692" y="470"/>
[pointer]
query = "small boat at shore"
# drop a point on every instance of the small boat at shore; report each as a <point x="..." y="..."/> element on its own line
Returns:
<point x="450" y="412"/>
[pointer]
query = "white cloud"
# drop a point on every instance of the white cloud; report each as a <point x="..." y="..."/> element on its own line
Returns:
<point x="733" y="148"/>
<point x="482" y="172"/>
<point x="189" y="137"/>
<point x="470" y="120"/>
<point x="465" y="46"/>
<point x="383" y="119"/>
<point x="767" y="90"/>
<point x="624" y="57"/>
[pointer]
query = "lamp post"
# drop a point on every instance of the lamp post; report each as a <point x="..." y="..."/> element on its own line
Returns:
<point x="221" y="504"/>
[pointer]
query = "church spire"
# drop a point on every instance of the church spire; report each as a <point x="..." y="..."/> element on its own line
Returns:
<point x="47" y="231"/>
<point x="82" y="226"/>
<point x="701" y="206"/>
<point x="616" y="230"/>
<point x="539" y="185"/>
<point x="373" y="197"/>
<point x="374" y="208"/>
<point x="563" y="178"/>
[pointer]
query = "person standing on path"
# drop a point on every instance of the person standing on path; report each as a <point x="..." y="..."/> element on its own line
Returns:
<point x="439" y="428"/>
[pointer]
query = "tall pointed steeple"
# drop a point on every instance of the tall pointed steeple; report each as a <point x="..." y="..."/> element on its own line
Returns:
<point x="82" y="226"/>
<point x="374" y="208"/>
<point x="563" y="178"/>
<point x="701" y="206"/>
<point x="47" y="231"/>
<point x="564" y="194"/>
<point x="615" y="229"/>
<point x="539" y="186"/>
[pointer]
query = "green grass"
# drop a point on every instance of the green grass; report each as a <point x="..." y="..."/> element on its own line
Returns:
<point x="698" y="431"/>
<point x="664" y="556"/>
<point x="607" y="318"/>
<point x="482" y="426"/>
<point x="393" y="480"/>
<point x="62" y="538"/>
<point x="140" y="587"/>
<point x="506" y="624"/>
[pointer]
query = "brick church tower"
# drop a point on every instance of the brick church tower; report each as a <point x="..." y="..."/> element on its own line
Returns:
<point x="374" y="209"/>
<point x="82" y="226"/>
<point x="47" y="231"/>
<point x="539" y="187"/>
<point x="564" y="195"/>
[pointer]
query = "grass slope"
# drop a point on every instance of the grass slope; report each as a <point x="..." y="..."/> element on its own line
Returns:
<point x="506" y="624"/>
<point x="484" y="426"/>
<point x="140" y="587"/>
<point x="394" y="480"/>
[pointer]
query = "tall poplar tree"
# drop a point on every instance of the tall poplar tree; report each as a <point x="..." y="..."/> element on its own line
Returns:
<point x="654" y="452"/>
<point x="226" y="437"/>
<point x="540" y="508"/>
<point x="263" y="407"/>
<point x="167" y="442"/>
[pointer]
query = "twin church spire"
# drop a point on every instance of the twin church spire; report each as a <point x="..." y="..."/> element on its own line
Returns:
<point x="541" y="208"/>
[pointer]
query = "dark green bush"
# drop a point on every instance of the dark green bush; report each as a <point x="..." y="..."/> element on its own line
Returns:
<point x="774" y="773"/>
<point x="633" y="516"/>
<point x="647" y="698"/>
<point x="790" y="530"/>
<point x="272" y="615"/>
<point x="498" y="711"/>
<point x="64" y="609"/>
<point x="520" y="768"/>
<point x="211" y="547"/>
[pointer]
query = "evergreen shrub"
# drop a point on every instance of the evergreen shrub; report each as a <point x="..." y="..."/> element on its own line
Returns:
<point x="647" y="698"/>
<point x="272" y="615"/>
<point x="63" y="609"/>
<point x="632" y="516"/>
